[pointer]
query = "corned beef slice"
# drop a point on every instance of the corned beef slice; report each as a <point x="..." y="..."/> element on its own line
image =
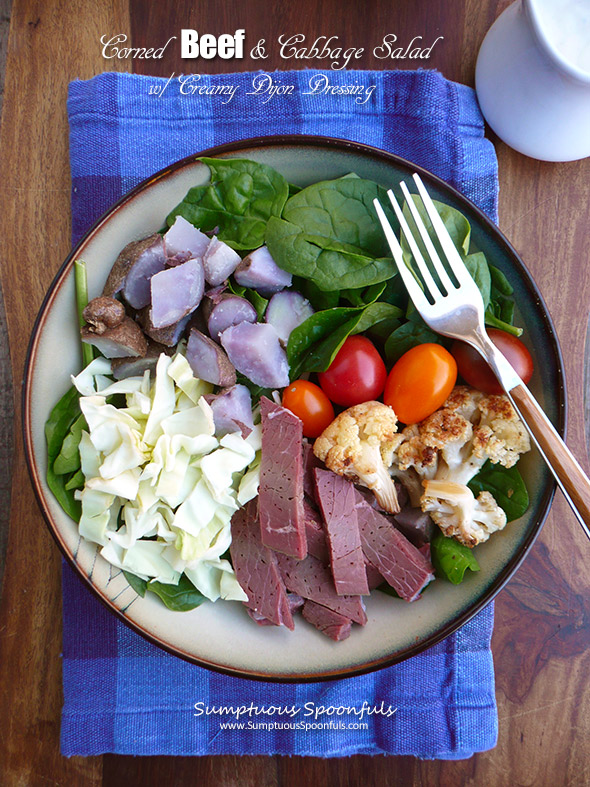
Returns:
<point x="312" y="580"/>
<point x="398" y="561"/>
<point x="330" y="623"/>
<point x="256" y="569"/>
<point x="316" y="535"/>
<point x="295" y="603"/>
<point x="336" y="497"/>
<point x="280" y="494"/>
<point x="374" y="578"/>
<point x="310" y="462"/>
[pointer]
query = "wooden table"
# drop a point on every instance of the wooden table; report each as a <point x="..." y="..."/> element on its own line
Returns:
<point x="542" y="629"/>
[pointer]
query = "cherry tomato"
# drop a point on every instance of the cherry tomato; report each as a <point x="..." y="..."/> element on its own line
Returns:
<point x="475" y="371"/>
<point x="311" y="404"/>
<point x="357" y="373"/>
<point x="420" y="382"/>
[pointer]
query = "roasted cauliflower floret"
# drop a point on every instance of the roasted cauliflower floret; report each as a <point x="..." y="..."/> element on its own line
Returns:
<point x="500" y="435"/>
<point x="359" y="444"/>
<point x="458" y="438"/>
<point x="458" y="513"/>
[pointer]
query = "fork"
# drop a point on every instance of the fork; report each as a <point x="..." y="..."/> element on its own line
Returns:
<point x="457" y="310"/>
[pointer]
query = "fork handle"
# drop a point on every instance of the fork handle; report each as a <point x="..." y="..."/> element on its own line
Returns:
<point x="569" y="475"/>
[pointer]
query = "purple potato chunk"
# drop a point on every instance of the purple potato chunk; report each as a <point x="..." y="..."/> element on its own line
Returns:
<point x="169" y="336"/>
<point x="134" y="268"/>
<point x="416" y="526"/>
<point x="259" y="271"/>
<point x="285" y="311"/>
<point x="184" y="242"/>
<point x="176" y="292"/>
<point x="255" y="351"/>
<point x="208" y="361"/>
<point x="219" y="261"/>
<point x="232" y="411"/>
<point x="230" y="310"/>
<point x="135" y="367"/>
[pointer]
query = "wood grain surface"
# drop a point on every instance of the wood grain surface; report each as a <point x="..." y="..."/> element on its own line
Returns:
<point x="542" y="628"/>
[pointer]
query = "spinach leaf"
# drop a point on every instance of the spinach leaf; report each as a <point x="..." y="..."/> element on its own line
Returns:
<point x="137" y="583"/>
<point x="313" y="345"/>
<point x="319" y="299"/>
<point x="497" y="322"/>
<point x="256" y="299"/>
<point x="68" y="459"/>
<point x="506" y="485"/>
<point x="330" y="267"/>
<point x="451" y="559"/>
<point x="499" y="281"/>
<point x="477" y="265"/>
<point x="339" y="214"/>
<point x="61" y="419"/>
<point x="240" y="198"/>
<point x="180" y="598"/>
<point x="455" y="222"/>
<point x="363" y="296"/>
<point x="408" y="335"/>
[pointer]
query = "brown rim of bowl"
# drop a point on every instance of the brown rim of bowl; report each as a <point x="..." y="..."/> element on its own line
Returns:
<point x="375" y="153"/>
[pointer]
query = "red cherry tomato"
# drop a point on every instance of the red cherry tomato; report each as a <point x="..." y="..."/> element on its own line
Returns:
<point x="311" y="404"/>
<point x="420" y="382"/>
<point x="357" y="373"/>
<point x="475" y="371"/>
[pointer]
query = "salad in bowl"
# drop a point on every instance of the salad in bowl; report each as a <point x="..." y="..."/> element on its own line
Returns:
<point x="264" y="418"/>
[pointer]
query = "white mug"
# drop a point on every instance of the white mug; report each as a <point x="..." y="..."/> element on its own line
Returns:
<point x="533" y="78"/>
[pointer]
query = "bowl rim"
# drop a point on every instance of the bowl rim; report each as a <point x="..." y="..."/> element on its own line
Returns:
<point x="294" y="140"/>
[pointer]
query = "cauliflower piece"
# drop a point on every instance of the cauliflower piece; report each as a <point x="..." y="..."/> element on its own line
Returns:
<point x="501" y="434"/>
<point x="455" y="441"/>
<point x="458" y="513"/>
<point x="360" y="444"/>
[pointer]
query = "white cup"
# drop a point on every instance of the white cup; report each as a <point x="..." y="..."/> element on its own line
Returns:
<point x="533" y="78"/>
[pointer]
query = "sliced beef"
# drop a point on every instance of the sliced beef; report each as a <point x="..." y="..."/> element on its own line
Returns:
<point x="398" y="561"/>
<point x="295" y="603"/>
<point x="316" y="535"/>
<point x="257" y="570"/>
<point x="330" y="623"/>
<point x="416" y="526"/>
<point x="310" y="462"/>
<point x="374" y="578"/>
<point x="280" y="495"/>
<point x="312" y="580"/>
<point x="336" y="496"/>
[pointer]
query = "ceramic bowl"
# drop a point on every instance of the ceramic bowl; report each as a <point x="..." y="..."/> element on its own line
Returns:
<point x="221" y="636"/>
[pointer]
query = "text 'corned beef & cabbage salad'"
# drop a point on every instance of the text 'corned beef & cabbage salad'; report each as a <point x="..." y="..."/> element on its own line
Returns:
<point x="263" y="416"/>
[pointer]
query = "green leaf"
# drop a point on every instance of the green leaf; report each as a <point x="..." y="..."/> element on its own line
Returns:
<point x="68" y="459"/>
<point x="330" y="267"/>
<point x="314" y="344"/>
<point x="451" y="559"/>
<point x="239" y="200"/>
<point x="506" y="485"/>
<point x="76" y="481"/>
<point x="409" y="335"/>
<point x="61" y="419"/>
<point x="496" y="322"/>
<point x="455" y="222"/>
<point x="180" y="598"/>
<point x="319" y="299"/>
<point x="363" y="296"/>
<point x="340" y="214"/>
<point x="137" y="583"/>
<point x="499" y="281"/>
<point x="477" y="265"/>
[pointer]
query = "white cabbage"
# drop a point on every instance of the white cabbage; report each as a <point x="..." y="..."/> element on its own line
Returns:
<point x="160" y="489"/>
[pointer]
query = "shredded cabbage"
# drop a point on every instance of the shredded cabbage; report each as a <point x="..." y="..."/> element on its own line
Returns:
<point x="160" y="489"/>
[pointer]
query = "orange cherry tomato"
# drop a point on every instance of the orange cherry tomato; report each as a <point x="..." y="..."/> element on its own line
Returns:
<point x="311" y="404"/>
<point x="420" y="382"/>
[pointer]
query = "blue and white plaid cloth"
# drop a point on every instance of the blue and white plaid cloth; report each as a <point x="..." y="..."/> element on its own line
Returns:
<point x="124" y="695"/>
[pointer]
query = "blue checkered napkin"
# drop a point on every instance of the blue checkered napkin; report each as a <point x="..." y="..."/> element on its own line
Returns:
<point x="124" y="695"/>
